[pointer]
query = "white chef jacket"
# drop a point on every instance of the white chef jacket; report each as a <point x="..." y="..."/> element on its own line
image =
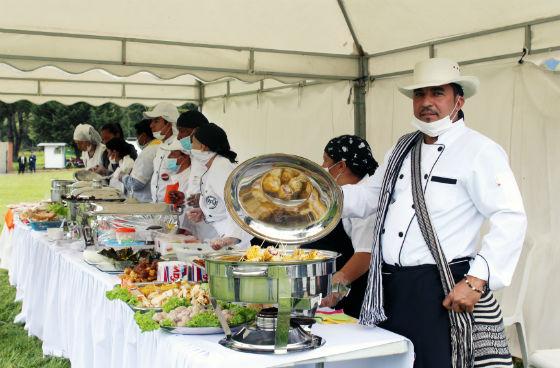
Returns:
<point x="125" y="166"/>
<point x="212" y="202"/>
<point x="139" y="180"/>
<point x="97" y="159"/>
<point x="467" y="179"/>
<point x="158" y="185"/>
<point x="360" y="230"/>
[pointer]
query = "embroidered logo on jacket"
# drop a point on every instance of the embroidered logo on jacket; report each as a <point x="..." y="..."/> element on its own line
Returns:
<point x="211" y="202"/>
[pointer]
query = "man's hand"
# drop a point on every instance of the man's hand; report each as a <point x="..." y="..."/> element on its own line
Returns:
<point x="195" y="215"/>
<point x="220" y="243"/>
<point x="462" y="298"/>
<point x="193" y="200"/>
<point x="177" y="198"/>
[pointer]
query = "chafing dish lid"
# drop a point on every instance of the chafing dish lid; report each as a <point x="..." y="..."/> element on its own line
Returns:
<point x="264" y="196"/>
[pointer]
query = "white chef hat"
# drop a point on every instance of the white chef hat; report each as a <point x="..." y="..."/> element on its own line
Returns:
<point x="85" y="132"/>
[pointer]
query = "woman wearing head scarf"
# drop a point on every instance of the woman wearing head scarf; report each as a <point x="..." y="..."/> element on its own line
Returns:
<point x="89" y="143"/>
<point x="349" y="160"/>
<point x="119" y="153"/>
<point x="211" y="150"/>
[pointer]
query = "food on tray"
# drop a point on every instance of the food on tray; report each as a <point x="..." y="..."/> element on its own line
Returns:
<point x="286" y="184"/>
<point x="257" y="199"/>
<point x="184" y="304"/>
<point x="58" y="208"/>
<point x="273" y="254"/>
<point x="128" y="254"/>
<point x="38" y="214"/>
<point x="144" y="271"/>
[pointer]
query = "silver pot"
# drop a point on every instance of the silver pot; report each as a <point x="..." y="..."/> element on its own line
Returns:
<point x="268" y="282"/>
<point x="60" y="188"/>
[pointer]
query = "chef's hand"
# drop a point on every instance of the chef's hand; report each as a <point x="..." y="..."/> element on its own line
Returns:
<point x="220" y="243"/>
<point x="340" y="289"/>
<point x="177" y="198"/>
<point x="195" y="215"/>
<point x="192" y="201"/>
<point x="462" y="298"/>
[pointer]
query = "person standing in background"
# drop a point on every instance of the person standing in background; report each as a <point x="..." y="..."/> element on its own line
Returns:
<point x="22" y="161"/>
<point x="32" y="162"/>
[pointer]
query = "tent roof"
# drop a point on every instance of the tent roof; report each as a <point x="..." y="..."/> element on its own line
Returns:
<point x="253" y="40"/>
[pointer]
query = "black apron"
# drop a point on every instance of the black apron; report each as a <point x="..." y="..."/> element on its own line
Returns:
<point x="413" y="299"/>
<point x="338" y="241"/>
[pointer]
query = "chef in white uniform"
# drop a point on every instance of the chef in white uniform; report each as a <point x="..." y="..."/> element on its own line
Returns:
<point x="138" y="183"/>
<point x="163" y="124"/>
<point x="88" y="141"/>
<point x="119" y="154"/>
<point x="467" y="180"/>
<point x="210" y="148"/>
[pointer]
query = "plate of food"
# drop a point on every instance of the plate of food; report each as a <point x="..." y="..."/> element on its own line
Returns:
<point x="179" y="308"/>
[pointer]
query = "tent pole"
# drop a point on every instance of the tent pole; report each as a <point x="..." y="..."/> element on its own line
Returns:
<point x="360" y="91"/>
<point x="200" y="95"/>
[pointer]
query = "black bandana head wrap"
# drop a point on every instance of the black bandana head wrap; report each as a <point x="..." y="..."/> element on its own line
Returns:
<point x="353" y="150"/>
<point x="215" y="138"/>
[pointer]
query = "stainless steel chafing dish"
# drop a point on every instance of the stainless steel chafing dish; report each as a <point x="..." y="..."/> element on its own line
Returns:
<point x="295" y="215"/>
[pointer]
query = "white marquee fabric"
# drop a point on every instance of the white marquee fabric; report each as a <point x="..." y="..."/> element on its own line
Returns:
<point x="297" y="120"/>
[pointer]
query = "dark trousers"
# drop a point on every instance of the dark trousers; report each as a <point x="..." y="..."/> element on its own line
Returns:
<point x="413" y="299"/>
<point x="21" y="169"/>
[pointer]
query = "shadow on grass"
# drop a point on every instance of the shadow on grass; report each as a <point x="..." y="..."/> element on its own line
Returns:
<point x="17" y="349"/>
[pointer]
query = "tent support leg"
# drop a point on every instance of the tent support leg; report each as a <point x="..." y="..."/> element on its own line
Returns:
<point x="360" y="90"/>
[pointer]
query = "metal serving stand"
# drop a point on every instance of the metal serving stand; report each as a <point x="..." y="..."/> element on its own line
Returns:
<point x="294" y="287"/>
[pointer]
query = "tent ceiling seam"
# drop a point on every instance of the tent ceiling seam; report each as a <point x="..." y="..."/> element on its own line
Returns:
<point x="175" y="43"/>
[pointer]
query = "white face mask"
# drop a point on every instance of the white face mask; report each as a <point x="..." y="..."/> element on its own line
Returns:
<point x="435" y="128"/>
<point x="158" y="135"/>
<point x="201" y="156"/>
<point x="328" y="169"/>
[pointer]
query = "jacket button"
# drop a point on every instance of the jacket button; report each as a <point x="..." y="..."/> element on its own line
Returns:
<point x="412" y="206"/>
<point x="383" y="231"/>
<point x="401" y="176"/>
<point x="425" y="176"/>
<point x="401" y="234"/>
<point x="440" y="148"/>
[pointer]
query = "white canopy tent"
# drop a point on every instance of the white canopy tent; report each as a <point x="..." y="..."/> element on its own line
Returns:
<point x="288" y="75"/>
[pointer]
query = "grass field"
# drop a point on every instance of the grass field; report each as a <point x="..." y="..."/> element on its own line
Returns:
<point x="17" y="349"/>
<point x="40" y="153"/>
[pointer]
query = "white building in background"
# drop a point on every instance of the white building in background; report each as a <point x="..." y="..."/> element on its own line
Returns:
<point x="55" y="155"/>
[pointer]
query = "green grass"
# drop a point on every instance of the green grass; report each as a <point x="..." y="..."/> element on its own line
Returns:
<point x="27" y="187"/>
<point x="17" y="349"/>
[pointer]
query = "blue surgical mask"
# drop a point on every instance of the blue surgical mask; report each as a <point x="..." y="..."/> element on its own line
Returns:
<point x="172" y="165"/>
<point x="186" y="143"/>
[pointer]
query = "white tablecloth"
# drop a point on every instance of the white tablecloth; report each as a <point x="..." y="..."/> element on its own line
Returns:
<point x="64" y="305"/>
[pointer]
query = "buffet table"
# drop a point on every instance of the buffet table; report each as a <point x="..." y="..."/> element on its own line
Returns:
<point x="64" y="305"/>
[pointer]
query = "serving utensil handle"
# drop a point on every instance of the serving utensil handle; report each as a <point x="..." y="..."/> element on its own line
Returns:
<point x="221" y="317"/>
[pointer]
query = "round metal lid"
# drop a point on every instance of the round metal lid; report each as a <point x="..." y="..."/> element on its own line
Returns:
<point x="283" y="198"/>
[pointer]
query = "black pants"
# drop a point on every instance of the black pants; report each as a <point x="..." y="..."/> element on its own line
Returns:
<point x="413" y="299"/>
<point x="21" y="169"/>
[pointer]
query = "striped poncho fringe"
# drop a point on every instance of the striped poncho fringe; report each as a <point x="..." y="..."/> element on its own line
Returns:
<point x="372" y="308"/>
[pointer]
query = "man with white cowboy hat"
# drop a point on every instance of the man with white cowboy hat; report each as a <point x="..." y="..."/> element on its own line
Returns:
<point x="431" y="273"/>
<point x="164" y="127"/>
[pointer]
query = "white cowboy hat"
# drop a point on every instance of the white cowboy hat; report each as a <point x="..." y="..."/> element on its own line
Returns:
<point x="437" y="72"/>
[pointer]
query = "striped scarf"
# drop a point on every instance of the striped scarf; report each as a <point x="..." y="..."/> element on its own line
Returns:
<point x="478" y="339"/>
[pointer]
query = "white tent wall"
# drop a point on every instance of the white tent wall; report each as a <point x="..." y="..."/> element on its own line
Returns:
<point x="298" y="120"/>
<point x="517" y="106"/>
